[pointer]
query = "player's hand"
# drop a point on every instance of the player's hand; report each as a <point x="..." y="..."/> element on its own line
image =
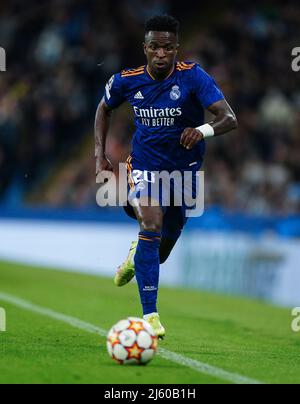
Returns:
<point x="190" y="138"/>
<point x="102" y="165"/>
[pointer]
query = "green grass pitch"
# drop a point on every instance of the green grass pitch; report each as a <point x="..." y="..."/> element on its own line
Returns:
<point x="238" y="335"/>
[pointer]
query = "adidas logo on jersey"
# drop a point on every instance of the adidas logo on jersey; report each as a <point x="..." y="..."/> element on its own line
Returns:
<point x="139" y="96"/>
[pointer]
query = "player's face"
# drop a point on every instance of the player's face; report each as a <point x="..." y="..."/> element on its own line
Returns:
<point x="161" y="50"/>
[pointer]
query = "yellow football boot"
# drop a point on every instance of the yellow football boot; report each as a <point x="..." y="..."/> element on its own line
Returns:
<point x="154" y="321"/>
<point x="126" y="271"/>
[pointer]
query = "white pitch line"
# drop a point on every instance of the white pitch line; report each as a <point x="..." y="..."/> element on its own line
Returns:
<point x="164" y="353"/>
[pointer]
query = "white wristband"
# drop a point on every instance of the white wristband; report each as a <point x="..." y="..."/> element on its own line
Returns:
<point x="207" y="130"/>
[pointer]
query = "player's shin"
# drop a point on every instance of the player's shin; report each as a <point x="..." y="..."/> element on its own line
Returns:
<point x="147" y="262"/>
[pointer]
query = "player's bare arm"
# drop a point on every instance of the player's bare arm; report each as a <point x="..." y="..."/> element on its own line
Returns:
<point x="224" y="122"/>
<point x="102" y="123"/>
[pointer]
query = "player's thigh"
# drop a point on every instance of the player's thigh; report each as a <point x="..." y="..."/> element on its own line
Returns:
<point x="149" y="215"/>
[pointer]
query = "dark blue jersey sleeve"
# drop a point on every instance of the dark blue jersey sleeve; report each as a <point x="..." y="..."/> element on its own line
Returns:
<point x="205" y="88"/>
<point x="114" y="95"/>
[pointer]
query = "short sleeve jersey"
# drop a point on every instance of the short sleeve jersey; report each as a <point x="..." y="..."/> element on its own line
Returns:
<point x="162" y="110"/>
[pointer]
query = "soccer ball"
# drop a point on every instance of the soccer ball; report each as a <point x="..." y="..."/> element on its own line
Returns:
<point x="132" y="341"/>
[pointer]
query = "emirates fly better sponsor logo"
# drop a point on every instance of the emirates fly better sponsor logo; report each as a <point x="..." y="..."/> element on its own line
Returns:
<point x="157" y="116"/>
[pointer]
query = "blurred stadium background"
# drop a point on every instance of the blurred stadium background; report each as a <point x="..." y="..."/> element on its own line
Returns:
<point x="59" y="56"/>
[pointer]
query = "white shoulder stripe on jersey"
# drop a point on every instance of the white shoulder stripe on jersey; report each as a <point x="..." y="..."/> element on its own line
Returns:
<point x="107" y="92"/>
<point x="108" y="87"/>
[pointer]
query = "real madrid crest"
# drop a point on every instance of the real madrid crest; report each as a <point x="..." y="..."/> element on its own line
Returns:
<point x="175" y="93"/>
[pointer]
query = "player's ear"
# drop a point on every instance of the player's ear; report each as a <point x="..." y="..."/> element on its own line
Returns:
<point x="145" y="48"/>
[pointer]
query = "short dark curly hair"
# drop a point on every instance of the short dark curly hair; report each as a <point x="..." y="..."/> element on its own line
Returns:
<point x="162" y="23"/>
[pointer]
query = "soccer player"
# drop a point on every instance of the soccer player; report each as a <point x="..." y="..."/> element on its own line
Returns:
<point x="169" y="99"/>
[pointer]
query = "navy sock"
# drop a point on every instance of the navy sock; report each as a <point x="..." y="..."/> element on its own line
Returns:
<point x="147" y="263"/>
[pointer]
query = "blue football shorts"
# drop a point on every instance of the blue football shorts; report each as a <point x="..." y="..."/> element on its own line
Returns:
<point x="174" y="191"/>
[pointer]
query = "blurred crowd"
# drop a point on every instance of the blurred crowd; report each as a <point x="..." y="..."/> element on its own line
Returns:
<point x="60" y="54"/>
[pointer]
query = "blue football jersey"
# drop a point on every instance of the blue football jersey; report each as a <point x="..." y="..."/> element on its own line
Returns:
<point x="162" y="110"/>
